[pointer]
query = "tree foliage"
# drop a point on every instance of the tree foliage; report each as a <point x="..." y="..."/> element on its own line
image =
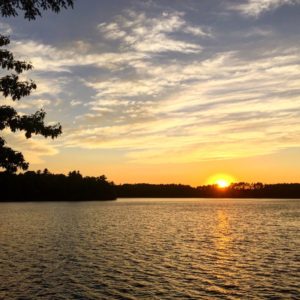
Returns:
<point x="32" y="8"/>
<point x="11" y="85"/>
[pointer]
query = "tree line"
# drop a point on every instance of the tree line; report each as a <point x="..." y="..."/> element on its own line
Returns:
<point x="45" y="186"/>
<point x="235" y="190"/>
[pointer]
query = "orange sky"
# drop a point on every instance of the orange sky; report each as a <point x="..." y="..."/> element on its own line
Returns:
<point x="280" y="167"/>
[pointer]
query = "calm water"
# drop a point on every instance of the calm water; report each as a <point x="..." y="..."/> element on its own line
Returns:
<point x="151" y="249"/>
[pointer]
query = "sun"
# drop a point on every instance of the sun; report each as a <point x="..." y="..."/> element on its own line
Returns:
<point x="222" y="183"/>
<point x="221" y="180"/>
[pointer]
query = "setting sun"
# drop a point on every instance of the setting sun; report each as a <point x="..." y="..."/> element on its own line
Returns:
<point x="222" y="183"/>
<point x="221" y="180"/>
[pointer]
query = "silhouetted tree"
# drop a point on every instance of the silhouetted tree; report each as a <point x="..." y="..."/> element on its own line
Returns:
<point x="32" y="8"/>
<point x="46" y="186"/>
<point x="11" y="85"/>
<point x="75" y="175"/>
<point x="235" y="190"/>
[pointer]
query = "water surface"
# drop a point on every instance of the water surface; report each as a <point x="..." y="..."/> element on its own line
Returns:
<point x="150" y="249"/>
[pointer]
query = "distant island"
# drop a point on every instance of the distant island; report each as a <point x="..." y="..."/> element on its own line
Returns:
<point x="45" y="186"/>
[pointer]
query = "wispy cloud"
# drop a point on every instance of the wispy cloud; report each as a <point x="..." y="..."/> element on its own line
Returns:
<point x="146" y="34"/>
<point x="46" y="58"/>
<point x="155" y="93"/>
<point x="259" y="32"/>
<point x="229" y="107"/>
<point x="5" y="29"/>
<point x="34" y="150"/>
<point x="254" y="8"/>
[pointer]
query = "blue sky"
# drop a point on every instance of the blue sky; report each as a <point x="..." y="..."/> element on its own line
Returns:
<point x="165" y="91"/>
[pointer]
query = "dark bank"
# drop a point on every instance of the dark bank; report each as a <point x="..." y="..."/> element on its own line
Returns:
<point x="45" y="186"/>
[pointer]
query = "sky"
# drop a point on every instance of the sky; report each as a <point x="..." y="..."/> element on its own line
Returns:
<point x="165" y="91"/>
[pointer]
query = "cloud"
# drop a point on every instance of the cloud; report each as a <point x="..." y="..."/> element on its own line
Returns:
<point x="143" y="36"/>
<point x="42" y="56"/>
<point x="254" y="8"/>
<point x="5" y="29"/>
<point x="75" y="102"/>
<point x="29" y="104"/>
<point x="46" y="58"/>
<point x="152" y="95"/>
<point x="259" y="32"/>
<point x="227" y="107"/>
<point x="197" y="31"/>
<point x="34" y="150"/>
<point x="138" y="32"/>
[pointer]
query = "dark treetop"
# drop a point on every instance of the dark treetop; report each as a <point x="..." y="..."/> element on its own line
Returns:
<point x="44" y="186"/>
<point x="235" y="190"/>
<point x="32" y="8"/>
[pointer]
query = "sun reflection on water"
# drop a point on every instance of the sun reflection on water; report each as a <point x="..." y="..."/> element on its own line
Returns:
<point x="223" y="237"/>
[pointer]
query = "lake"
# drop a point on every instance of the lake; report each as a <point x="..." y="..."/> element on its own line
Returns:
<point x="151" y="249"/>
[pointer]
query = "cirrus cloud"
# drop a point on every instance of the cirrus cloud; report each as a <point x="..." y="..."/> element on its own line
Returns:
<point x="254" y="8"/>
<point x="144" y="34"/>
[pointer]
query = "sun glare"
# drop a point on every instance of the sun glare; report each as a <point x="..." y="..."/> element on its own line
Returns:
<point x="222" y="183"/>
<point x="221" y="180"/>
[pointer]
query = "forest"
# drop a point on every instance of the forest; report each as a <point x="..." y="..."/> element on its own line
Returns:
<point x="235" y="190"/>
<point x="45" y="186"/>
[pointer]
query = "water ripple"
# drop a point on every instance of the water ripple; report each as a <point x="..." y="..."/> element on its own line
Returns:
<point x="150" y="249"/>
